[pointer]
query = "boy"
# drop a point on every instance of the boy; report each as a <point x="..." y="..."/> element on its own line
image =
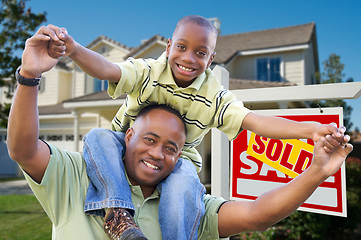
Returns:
<point x="181" y="78"/>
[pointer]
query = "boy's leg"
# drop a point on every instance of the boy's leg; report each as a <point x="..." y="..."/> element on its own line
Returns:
<point x="103" y="154"/>
<point x="181" y="203"/>
<point x="108" y="187"/>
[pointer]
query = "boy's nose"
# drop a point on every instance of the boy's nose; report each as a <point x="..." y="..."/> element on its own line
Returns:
<point x="188" y="56"/>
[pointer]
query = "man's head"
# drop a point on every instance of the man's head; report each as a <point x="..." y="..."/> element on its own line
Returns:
<point x="191" y="50"/>
<point x="153" y="145"/>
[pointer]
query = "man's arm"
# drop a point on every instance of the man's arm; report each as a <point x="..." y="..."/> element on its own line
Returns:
<point x="23" y="127"/>
<point x="273" y="206"/>
<point x="89" y="61"/>
<point x="281" y="128"/>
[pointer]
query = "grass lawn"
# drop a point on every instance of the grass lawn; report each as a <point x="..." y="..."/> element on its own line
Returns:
<point x="22" y="217"/>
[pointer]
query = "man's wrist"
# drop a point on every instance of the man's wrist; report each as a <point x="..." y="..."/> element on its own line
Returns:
<point x="24" y="78"/>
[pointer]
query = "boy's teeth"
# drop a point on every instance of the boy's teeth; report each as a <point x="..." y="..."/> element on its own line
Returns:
<point x="150" y="165"/>
<point x="185" y="69"/>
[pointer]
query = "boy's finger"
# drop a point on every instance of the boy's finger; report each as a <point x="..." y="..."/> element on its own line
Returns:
<point x="342" y="129"/>
<point x="63" y="29"/>
<point x="330" y="142"/>
<point x="57" y="43"/>
<point x="348" y="148"/>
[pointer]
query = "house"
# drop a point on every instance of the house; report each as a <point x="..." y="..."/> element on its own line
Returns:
<point x="71" y="102"/>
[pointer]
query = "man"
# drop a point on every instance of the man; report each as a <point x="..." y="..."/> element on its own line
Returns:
<point x="59" y="181"/>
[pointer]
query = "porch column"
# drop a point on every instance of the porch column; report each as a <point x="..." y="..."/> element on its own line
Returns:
<point x="76" y="130"/>
<point x="220" y="149"/>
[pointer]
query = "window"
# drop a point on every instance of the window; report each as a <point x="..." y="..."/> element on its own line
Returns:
<point x="41" y="86"/>
<point x="100" y="85"/>
<point x="11" y="90"/>
<point x="269" y="69"/>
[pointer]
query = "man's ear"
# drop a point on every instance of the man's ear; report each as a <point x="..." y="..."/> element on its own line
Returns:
<point x="128" y="136"/>
<point x="169" y="44"/>
<point x="211" y="59"/>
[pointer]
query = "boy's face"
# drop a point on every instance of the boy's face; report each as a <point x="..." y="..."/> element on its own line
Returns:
<point x="190" y="52"/>
<point x="153" y="146"/>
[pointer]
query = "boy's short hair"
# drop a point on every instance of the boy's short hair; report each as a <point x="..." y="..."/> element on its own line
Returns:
<point x="201" y="21"/>
<point x="145" y="110"/>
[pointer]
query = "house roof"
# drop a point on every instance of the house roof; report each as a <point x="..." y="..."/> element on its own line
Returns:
<point x="103" y="95"/>
<point x="104" y="38"/>
<point x="228" y="45"/>
<point x="146" y="44"/>
<point x="53" y="109"/>
<point x="249" y="84"/>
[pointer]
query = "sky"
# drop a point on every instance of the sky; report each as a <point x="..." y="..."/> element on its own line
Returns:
<point x="338" y="23"/>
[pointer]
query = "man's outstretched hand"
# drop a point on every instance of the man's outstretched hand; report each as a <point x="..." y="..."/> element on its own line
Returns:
<point x="35" y="58"/>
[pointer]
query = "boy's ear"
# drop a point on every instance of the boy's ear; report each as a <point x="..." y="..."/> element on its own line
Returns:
<point x="211" y="59"/>
<point x="169" y="44"/>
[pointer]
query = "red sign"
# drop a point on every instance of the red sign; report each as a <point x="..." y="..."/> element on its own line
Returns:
<point x="251" y="176"/>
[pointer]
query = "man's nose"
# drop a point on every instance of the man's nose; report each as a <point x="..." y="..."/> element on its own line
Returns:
<point x="156" y="152"/>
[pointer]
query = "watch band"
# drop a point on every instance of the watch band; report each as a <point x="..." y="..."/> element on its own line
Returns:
<point x="26" y="81"/>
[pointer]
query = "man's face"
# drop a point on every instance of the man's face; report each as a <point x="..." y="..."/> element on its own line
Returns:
<point x="153" y="146"/>
<point x="190" y="52"/>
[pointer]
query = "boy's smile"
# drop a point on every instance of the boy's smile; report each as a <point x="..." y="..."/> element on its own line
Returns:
<point x="190" y="52"/>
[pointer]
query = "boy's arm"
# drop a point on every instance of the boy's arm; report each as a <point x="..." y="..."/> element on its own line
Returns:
<point x="89" y="61"/>
<point x="280" y="128"/>
<point x="23" y="141"/>
<point x="273" y="206"/>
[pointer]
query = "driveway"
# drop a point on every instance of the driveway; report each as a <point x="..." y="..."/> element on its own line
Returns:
<point x="18" y="187"/>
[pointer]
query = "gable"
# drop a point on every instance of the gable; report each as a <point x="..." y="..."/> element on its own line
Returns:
<point x="229" y="45"/>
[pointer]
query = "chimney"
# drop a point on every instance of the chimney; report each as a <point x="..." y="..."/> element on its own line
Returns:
<point x="216" y="23"/>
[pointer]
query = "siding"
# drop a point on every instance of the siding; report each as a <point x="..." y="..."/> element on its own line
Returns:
<point x="65" y="86"/>
<point x="294" y="67"/>
<point x="50" y="94"/>
<point x="243" y="67"/>
<point x="309" y="66"/>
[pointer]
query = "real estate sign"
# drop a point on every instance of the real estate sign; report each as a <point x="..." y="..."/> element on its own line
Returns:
<point x="260" y="164"/>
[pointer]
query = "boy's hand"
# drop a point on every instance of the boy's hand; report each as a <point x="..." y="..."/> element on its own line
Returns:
<point x="337" y="134"/>
<point x="64" y="46"/>
<point x="327" y="161"/>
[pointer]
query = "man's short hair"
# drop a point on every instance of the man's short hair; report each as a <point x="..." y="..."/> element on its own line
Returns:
<point x="145" y="110"/>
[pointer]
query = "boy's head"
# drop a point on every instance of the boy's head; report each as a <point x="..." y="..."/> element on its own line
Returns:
<point x="153" y="145"/>
<point x="190" y="51"/>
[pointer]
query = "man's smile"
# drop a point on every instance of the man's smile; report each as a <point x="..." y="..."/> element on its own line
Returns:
<point x="150" y="165"/>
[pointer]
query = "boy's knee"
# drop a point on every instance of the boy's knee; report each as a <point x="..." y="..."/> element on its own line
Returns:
<point x="96" y="134"/>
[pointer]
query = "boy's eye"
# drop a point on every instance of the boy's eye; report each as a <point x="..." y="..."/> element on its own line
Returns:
<point x="181" y="47"/>
<point x="201" y="53"/>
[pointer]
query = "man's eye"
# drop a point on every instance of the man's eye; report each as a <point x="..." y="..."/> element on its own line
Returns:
<point x="171" y="149"/>
<point x="149" y="140"/>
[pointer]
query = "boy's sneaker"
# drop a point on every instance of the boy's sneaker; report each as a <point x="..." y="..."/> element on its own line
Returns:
<point x="119" y="225"/>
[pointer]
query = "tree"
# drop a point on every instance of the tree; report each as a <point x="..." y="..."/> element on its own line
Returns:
<point x="17" y="23"/>
<point x="333" y="73"/>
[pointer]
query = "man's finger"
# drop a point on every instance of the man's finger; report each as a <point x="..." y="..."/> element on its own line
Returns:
<point x="49" y="32"/>
<point x="57" y="30"/>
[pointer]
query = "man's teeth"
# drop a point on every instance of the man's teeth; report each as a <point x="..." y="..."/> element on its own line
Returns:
<point x="185" y="69"/>
<point x="150" y="165"/>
